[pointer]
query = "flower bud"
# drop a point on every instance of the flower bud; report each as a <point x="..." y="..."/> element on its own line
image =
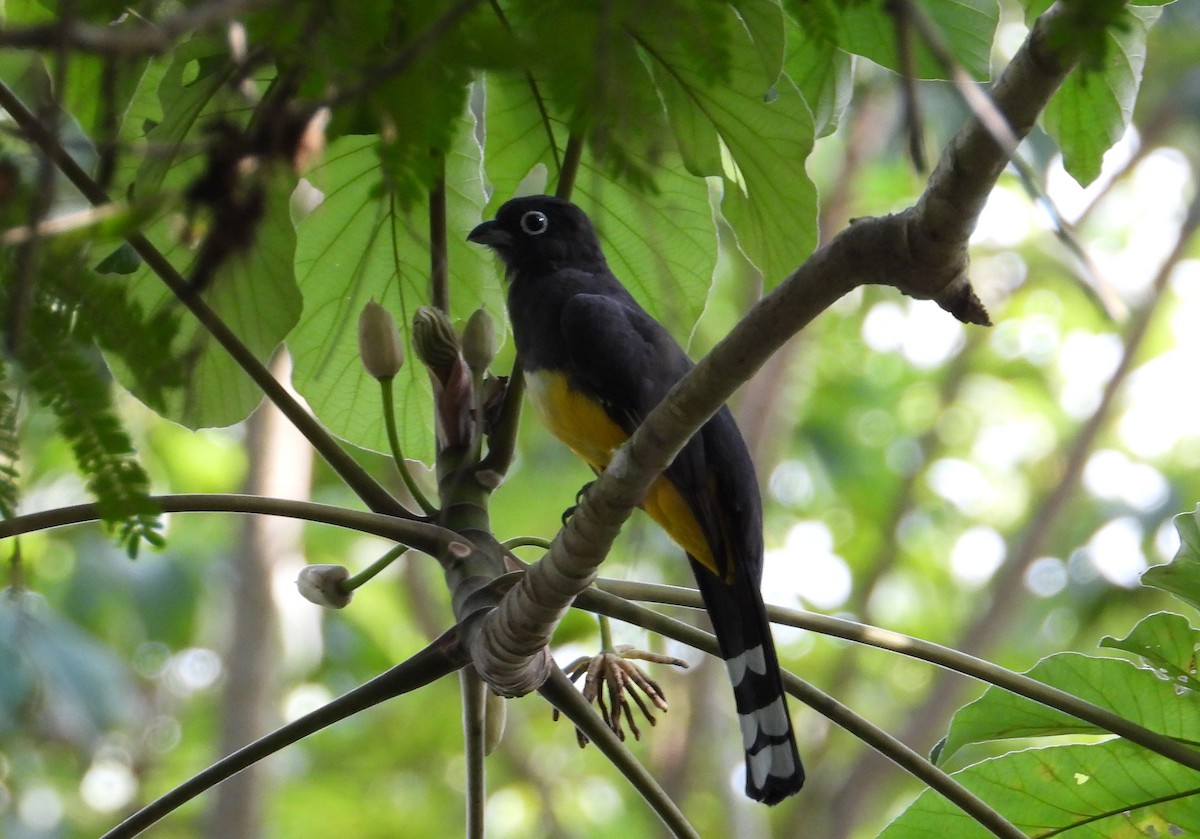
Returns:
<point x="434" y="339"/>
<point x="379" y="344"/>
<point x="479" y="341"/>
<point x="321" y="584"/>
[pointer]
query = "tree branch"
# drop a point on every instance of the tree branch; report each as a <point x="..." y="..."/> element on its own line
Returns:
<point x="438" y="659"/>
<point x="921" y="251"/>
<point x="945" y="657"/>
<point x="563" y="695"/>
<point x="429" y="538"/>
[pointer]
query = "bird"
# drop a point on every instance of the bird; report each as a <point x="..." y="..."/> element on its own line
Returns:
<point x="596" y="363"/>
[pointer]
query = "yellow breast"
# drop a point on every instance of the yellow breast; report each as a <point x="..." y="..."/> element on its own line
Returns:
<point x="583" y="425"/>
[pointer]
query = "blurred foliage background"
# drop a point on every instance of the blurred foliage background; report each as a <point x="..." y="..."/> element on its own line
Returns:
<point x="970" y="486"/>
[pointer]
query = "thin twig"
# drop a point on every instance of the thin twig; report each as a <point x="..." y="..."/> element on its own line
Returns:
<point x="424" y="536"/>
<point x="439" y="261"/>
<point x="559" y="691"/>
<point x="474" y="699"/>
<point x="570" y="166"/>
<point x="981" y="105"/>
<point x="144" y="39"/>
<point x="913" y="122"/>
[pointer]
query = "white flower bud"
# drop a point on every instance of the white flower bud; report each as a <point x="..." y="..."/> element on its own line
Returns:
<point x="379" y="343"/>
<point x="320" y="584"/>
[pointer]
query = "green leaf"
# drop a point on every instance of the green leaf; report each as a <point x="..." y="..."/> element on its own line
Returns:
<point x="254" y="292"/>
<point x="823" y="73"/>
<point x="757" y="137"/>
<point x="764" y="20"/>
<point x="360" y="244"/>
<point x="1115" y="684"/>
<point x="662" y="244"/>
<point x="1109" y="790"/>
<point x="186" y="91"/>
<point x="1181" y="576"/>
<point x="1167" y="642"/>
<point x="67" y="382"/>
<point x="1092" y="109"/>
<point x="967" y="27"/>
<point x="140" y="341"/>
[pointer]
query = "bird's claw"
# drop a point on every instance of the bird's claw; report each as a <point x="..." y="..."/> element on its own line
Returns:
<point x="570" y="511"/>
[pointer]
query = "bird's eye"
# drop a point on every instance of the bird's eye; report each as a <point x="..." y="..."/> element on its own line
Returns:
<point x="534" y="223"/>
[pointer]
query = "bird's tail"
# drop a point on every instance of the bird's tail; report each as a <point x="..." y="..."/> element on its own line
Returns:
<point x="773" y="768"/>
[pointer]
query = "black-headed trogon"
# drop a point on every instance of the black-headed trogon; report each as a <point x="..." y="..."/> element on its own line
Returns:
<point x="596" y="364"/>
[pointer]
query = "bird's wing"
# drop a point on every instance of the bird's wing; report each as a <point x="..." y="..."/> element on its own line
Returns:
<point x="638" y="365"/>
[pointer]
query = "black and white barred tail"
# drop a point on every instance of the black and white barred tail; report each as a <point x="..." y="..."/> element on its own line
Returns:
<point x="773" y="768"/>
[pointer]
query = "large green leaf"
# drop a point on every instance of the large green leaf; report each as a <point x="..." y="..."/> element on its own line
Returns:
<point x="188" y="90"/>
<point x="1168" y="643"/>
<point x="359" y="244"/>
<point x="824" y="75"/>
<point x="254" y="293"/>
<point x="1181" y="576"/>
<point x="966" y="26"/>
<point x="1109" y="790"/>
<point x="1136" y="693"/>
<point x="661" y="243"/>
<point x="754" y="134"/>
<point x="764" y="20"/>
<point x="1092" y="109"/>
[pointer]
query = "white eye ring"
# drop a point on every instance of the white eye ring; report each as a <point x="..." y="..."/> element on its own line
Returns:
<point x="535" y="223"/>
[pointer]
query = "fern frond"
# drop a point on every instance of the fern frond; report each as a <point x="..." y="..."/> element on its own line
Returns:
<point x="9" y="448"/>
<point x="120" y="326"/>
<point x="77" y="391"/>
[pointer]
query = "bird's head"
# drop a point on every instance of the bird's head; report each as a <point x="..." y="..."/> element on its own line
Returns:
<point x="538" y="234"/>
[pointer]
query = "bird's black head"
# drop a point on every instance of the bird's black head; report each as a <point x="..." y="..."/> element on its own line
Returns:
<point x="538" y="234"/>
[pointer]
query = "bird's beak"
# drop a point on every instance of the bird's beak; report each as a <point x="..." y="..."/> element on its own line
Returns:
<point x="491" y="234"/>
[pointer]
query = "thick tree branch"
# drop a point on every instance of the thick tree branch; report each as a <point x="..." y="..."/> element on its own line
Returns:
<point x="922" y="251"/>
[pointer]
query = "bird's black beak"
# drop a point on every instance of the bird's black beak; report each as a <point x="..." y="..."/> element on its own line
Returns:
<point x="491" y="234"/>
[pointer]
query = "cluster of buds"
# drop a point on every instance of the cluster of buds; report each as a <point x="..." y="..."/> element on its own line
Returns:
<point x="456" y="366"/>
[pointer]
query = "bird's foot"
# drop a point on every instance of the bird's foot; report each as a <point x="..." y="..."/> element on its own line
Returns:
<point x="570" y="511"/>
